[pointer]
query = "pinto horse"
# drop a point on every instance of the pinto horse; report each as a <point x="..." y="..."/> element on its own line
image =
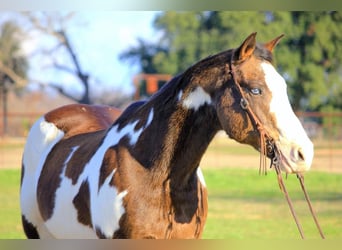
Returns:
<point x="89" y="173"/>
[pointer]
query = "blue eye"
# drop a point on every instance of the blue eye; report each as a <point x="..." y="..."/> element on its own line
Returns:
<point x="255" y="91"/>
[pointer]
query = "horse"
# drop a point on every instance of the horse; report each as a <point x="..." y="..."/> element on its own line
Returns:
<point x="136" y="174"/>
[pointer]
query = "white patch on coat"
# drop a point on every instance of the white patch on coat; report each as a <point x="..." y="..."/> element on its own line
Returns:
<point x="65" y="211"/>
<point x="42" y="137"/>
<point x="105" y="204"/>
<point x="150" y="118"/>
<point x="134" y="135"/>
<point x="197" y="99"/>
<point x="108" y="208"/>
<point x="92" y="171"/>
<point x="292" y="134"/>
<point x="200" y="176"/>
<point x="180" y="94"/>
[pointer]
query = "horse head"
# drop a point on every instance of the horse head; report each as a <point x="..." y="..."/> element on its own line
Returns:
<point x="252" y="105"/>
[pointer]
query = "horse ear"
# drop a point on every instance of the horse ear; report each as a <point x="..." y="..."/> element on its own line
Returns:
<point x="271" y="44"/>
<point x="246" y="49"/>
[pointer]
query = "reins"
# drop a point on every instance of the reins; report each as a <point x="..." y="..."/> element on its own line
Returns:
<point x="268" y="148"/>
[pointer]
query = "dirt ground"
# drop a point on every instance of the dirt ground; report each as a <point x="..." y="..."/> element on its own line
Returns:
<point x="222" y="152"/>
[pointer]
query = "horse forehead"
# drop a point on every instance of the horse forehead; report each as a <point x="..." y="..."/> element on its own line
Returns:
<point x="252" y="69"/>
<point x="275" y="82"/>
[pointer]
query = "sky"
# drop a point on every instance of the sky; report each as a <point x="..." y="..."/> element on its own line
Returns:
<point x="106" y="35"/>
<point x="98" y="37"/>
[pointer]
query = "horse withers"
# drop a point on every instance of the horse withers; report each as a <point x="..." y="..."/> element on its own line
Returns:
<point x="137" y="175"/>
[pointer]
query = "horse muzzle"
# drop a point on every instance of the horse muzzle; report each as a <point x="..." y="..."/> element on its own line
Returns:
<point x="294" y="158"/>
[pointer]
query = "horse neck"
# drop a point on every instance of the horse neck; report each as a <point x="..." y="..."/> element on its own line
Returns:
<point x="189" y="139"/>
<point x="174" y="141"/>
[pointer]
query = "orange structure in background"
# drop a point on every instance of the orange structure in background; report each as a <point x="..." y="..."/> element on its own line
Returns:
<point x="147" y="84"/>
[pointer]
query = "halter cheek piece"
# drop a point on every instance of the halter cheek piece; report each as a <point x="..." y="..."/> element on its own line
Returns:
<point x="268" y="147"/>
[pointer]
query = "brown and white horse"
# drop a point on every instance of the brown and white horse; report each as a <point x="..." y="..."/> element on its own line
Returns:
<point x="85" y="175"/>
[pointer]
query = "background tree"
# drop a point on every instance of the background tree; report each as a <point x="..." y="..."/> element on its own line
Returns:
<point x="309" y="56"/>
<point x="63" y="56"/>
<point x="13" y="64"/>
<point x="57" y="55"/>
<point x="311" y="59"/>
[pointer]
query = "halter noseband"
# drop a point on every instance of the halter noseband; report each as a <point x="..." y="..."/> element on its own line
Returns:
<point x="267" y="146"/>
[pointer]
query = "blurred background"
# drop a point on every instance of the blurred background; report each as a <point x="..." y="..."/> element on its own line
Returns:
<point x="49" y="59"/>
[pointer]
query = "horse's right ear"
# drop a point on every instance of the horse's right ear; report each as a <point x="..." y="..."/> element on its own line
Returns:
<point x="246" y="49"/>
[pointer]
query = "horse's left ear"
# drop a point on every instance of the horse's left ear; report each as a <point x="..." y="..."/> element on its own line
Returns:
<point x="271" y="44"/>
<point x="246" y="49"/>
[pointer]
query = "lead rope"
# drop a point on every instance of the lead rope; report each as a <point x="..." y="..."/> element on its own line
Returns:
<point x="268" y="147"/>
<point x="289" y="202"/>
<point x="301" y="181"/>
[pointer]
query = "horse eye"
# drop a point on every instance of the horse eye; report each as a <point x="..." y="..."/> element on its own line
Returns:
<point x="256" y="91"/>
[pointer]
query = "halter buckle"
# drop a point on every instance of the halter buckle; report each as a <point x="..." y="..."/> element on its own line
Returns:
<point x="243" y="103"/>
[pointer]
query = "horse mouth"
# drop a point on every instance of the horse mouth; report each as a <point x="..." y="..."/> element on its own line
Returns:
<point x="283" y="158"/>
<point x="271" y="150"/>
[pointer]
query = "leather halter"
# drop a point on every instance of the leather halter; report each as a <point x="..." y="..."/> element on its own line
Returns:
<point x="267" y="146"/>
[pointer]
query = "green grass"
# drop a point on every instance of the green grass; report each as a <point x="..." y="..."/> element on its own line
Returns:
<point x="10" y="217"/>
<point x="242" y="205"/>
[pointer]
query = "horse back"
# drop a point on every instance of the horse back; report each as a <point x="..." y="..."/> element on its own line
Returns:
<point x="76" y="119"/>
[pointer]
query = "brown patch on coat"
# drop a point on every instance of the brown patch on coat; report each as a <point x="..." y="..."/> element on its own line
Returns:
<point x="82" y="204"/>
<point x="152" y="208"/>
<point x="50" y="179"/>
<point x="29" y="229"/>
<point x="109" y="163"/>
<point x="76" y="119"/>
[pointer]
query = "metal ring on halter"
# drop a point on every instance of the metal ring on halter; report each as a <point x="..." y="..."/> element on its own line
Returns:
<point x="274" y="160"/>
<point x="243" y="103"/>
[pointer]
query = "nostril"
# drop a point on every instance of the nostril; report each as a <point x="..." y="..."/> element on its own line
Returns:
<point x="300" y="155"/>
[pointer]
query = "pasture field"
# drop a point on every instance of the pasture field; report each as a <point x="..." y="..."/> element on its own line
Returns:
<point x="242" y="203"/>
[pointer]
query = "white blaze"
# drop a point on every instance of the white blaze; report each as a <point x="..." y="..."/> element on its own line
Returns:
<point x="292" y="134"/>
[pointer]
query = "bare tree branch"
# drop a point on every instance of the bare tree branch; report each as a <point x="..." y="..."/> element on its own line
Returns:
<point x="57" y="87"/>
<point x="20" y="82"/>
<point x="48" y="29"/>
<point x="72" y="54"/>
<point x="56" y="28"/>
<point x="64" y="68"/>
